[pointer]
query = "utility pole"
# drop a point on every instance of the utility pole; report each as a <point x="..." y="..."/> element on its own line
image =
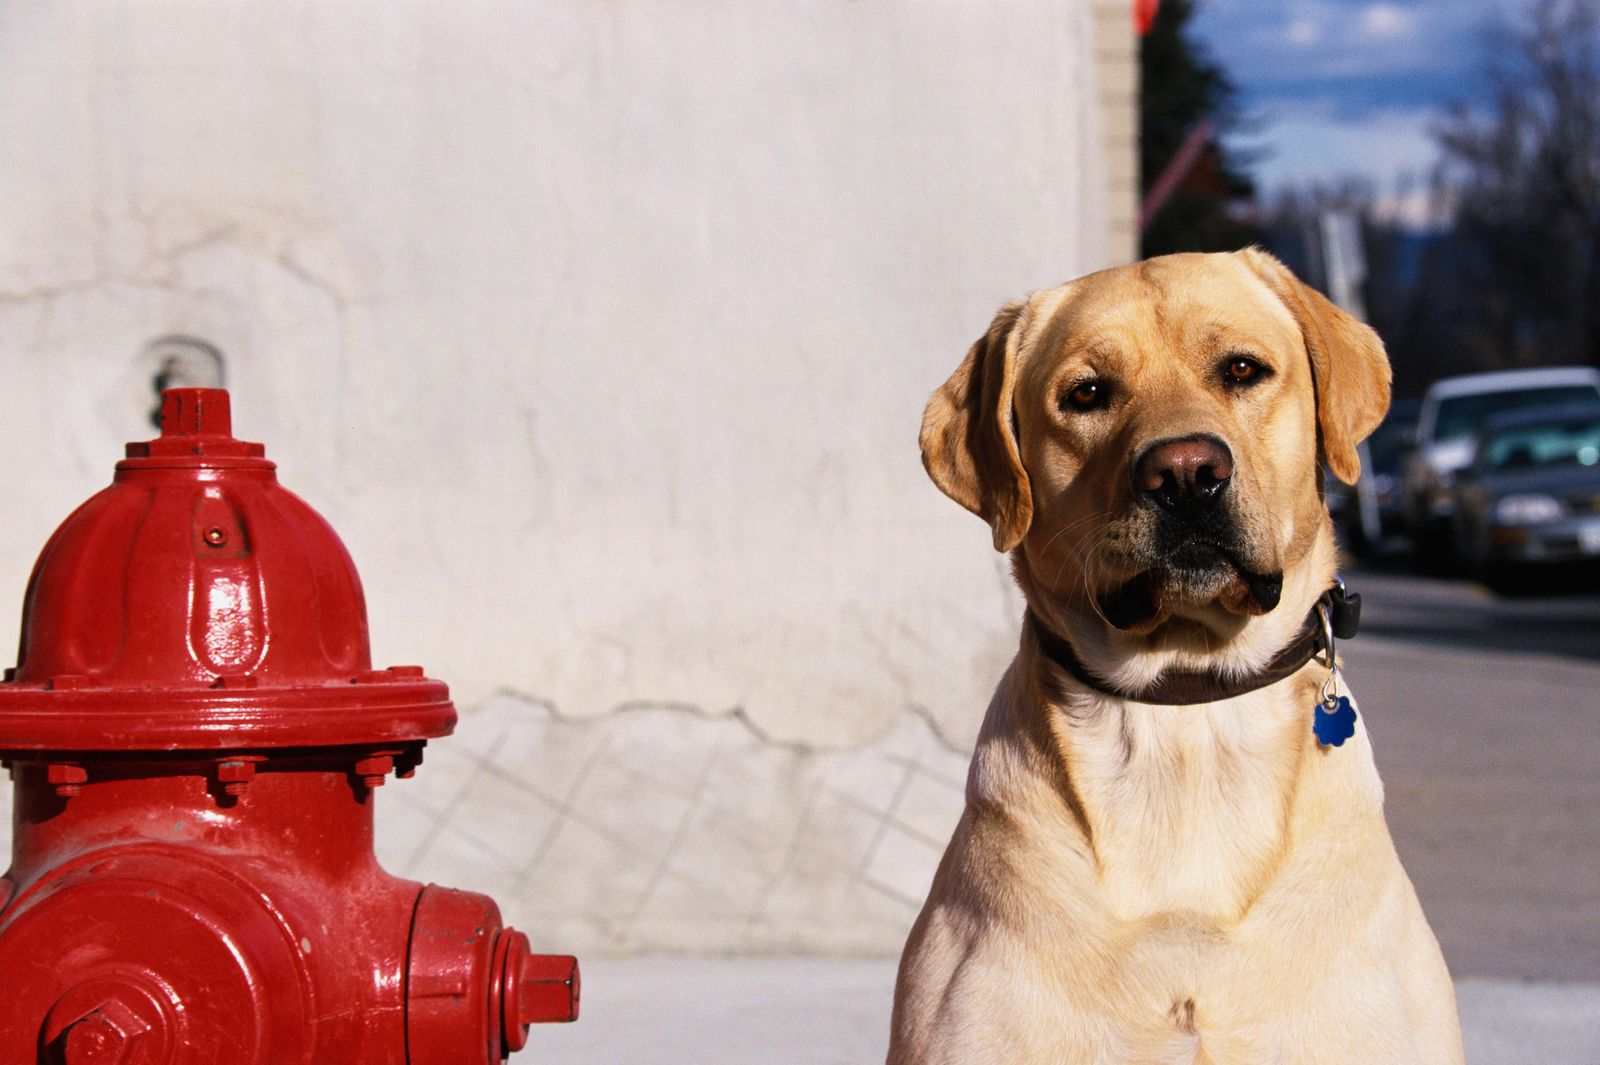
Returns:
<point x="1344" y="267"/>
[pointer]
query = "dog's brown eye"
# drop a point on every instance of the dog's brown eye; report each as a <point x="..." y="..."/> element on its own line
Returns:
<point x="1239" y="370"/>
<point x="1086" y="395"/>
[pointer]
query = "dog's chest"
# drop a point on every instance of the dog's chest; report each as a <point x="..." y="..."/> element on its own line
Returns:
<point x="1169" y="1039"/>
<point x="1188" y="805"/>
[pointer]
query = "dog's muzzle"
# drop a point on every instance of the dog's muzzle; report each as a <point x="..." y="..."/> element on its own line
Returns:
<point x="1195" y="542"/>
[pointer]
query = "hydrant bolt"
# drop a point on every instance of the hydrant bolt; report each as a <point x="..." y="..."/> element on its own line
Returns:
<point x="374" y="769"/>
<point x="108" y="1036"/>
<point x="235" y="776"/>
<point x="405" y="766"/>
<point x="95" y="1041"/>
<point x="111" y="1033"/>
<point x="66" y="777"/>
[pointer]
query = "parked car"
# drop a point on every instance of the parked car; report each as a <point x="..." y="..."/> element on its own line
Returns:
<point x="1531" y="496"/>
<point x="1371" y="512"/>
<point x="1453" y="413"/>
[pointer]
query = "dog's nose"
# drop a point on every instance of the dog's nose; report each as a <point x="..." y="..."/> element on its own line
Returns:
<point x="1184" y="473"/>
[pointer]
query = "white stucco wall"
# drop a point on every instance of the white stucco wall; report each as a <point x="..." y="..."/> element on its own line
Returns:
<point x="601" y="332"/>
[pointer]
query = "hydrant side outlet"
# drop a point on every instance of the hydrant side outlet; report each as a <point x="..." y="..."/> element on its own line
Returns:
<point x="196" y="732"/>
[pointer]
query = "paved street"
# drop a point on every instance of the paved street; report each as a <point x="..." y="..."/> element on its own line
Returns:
<point x="1484" y="716"/>
<point x="1458" y="614"/>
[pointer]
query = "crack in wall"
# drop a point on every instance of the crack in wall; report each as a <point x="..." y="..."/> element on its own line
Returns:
<point x="738" y="715"/>
<point x="158" y="268"/>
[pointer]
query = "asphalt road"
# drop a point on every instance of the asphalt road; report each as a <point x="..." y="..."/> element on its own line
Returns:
<point x="1458" y="614"/>
<point x="1485" y="715"/>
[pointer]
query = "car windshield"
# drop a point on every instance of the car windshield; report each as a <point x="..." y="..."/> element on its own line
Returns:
<point x="1566" y="443"/>
<point x="1461" y="416"/>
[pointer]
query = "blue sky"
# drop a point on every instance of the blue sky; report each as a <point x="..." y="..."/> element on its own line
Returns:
<point x="1338" y="87"/>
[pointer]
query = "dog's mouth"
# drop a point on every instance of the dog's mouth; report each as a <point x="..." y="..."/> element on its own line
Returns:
<point x="1196" y="573"/>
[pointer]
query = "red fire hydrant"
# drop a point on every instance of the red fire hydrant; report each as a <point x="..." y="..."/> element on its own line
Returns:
<point x="196" y="733"/>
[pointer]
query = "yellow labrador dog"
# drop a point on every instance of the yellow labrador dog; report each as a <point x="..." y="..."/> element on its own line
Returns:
<point x="1161" y="859"/>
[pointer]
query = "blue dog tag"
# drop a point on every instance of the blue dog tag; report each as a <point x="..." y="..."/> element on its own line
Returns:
<point x="1334" y="726"/>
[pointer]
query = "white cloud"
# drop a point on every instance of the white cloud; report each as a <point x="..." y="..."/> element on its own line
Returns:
<point x="1386" y="21"/>
<point x="1303" y="32"/>
<point x="1308" y="145"/>
<point x="1284" y="43"/>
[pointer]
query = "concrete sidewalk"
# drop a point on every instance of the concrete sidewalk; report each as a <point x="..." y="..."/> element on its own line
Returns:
<point x="818" y="1011"/>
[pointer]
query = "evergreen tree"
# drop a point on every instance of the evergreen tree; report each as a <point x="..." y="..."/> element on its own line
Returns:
<point x="1179" y="87"/>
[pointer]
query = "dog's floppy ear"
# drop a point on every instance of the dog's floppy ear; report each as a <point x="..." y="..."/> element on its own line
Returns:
<point x="1348" y="365"/>
<point x="969" y="444"/>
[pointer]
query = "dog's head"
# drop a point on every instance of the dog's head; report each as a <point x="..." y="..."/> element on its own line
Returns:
<point x="1148" y="440"/>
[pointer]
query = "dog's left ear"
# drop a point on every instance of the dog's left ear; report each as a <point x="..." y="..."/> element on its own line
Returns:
<point x="1348" y="365"/>
<point x="968" y="444"/>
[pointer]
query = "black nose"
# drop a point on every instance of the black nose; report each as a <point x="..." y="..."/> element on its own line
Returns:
<point x="1188" y="473"/>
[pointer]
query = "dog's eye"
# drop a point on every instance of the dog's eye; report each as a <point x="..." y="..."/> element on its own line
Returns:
<point x="1241" y="370"/>
<point x="1085" y="396"/>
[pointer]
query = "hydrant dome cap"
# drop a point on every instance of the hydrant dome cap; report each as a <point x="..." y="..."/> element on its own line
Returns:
<point x="197" y="603"/>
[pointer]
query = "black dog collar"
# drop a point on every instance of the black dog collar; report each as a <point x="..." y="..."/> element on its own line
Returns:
<point x="1337" y="614"/>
